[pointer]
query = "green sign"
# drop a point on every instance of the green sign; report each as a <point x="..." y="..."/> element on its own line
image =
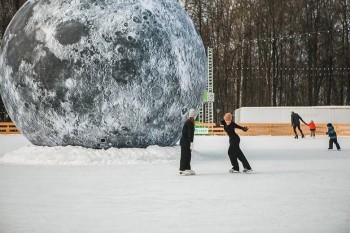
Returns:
<point x="201" y="131"/>
<point x="205" y="96"/>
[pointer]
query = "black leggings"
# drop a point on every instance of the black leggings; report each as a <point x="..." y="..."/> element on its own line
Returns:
<point x="185" y="160"/>
<point x="295" y="132"/>
<point x="235" y="152"/>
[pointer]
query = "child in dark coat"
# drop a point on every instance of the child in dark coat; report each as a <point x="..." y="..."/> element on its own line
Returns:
<point x="332" y="137"/>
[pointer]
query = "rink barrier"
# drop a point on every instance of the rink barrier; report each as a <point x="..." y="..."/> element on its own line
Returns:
<point x="8" y="128"/>
<point x="275" y="129"/>
<point x="255" y="129"/>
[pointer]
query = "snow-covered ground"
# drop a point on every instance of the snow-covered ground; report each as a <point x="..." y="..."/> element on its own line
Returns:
<point x="297" y="186"/>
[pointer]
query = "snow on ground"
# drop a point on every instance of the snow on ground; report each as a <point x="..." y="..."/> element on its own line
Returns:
<point x="297" y="186"/>
<point x="76" y="155"/>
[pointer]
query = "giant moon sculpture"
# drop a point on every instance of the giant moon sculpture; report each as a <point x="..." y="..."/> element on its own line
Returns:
<point x="122" y="73"/>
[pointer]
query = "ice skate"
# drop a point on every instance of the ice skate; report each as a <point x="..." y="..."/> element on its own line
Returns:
<point x="233" y="171"/>
<point x="191" y="172"/>
<point x="247" y="170"/>
<point x="187" y="173"/>
<point x="296" y="137"/>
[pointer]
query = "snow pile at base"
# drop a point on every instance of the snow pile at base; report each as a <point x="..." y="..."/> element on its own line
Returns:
<point x="76" y="155"/>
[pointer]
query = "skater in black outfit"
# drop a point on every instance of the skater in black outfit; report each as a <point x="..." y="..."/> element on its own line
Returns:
<point x="234" y="151"/>
<point x="332" y="137"/>
<point x="296" y="124"/>
<point x="186" y="143"/>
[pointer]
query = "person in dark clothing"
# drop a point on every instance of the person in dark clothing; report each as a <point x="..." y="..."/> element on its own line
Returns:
<point x="234" y="151"/>
<point x="186" y="143"/>
<point x="332" y="137"/>
<point x="296" y="124"/>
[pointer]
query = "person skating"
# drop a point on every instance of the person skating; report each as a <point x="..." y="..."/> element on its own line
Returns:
<point x="332" y="137"/>
<point x="186" y="143"/>
<point x="295" y="119"/>
<point x="234" y="151"/>
<point x="312" y="128"/>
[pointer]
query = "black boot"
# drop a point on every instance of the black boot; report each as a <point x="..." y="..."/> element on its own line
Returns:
<point x="296" y="137"/>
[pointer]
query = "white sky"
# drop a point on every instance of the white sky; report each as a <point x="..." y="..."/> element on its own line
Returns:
<point x="297" y="186"/>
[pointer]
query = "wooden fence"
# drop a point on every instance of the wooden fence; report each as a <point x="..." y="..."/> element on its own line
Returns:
<point x="255" y="129"/>
<point x="276" y="129"/>
<point x="8" y="128"/>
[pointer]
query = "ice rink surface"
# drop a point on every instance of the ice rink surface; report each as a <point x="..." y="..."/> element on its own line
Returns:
<point x="297" y="186"/>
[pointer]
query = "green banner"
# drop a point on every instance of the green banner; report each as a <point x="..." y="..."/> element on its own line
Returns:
<point x="201" y="131"/>
<point x="205" y="96"/>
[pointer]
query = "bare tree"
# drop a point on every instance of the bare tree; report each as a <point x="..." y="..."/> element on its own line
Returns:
<point x="8" y="8"/>
<point x="268" y="52"/>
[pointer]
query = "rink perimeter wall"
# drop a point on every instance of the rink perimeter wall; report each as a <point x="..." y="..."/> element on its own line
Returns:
<point x="271" y="129"/>
<point x="274" y="121"/>
<point x="323" y="114"/>
<point x="8" y="128"/>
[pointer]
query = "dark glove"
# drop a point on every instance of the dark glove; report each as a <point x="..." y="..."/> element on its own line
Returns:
<point x="245" y="129"/>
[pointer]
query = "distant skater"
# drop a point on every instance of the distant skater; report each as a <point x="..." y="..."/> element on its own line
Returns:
<point x="186" y="143"/>
<point x="234" y="151"/>
<point x="332" y="137"/>
<point x="296" y="124"/>
<point x="312" y="128"/>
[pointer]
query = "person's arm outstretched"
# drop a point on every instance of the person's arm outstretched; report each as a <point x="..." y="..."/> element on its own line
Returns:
<point x="243" y="128"/>
<point x="302" y="120"/>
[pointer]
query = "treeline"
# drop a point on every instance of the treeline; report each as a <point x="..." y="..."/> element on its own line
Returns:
<point x="8" y="9"/>
<point x="276" y="52"/>
<point x="268" y="52"/>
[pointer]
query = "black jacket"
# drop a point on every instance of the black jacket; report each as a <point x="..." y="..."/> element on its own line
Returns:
<point x="230" y="129"/>
<point x="295" y="119"/>
<point x="187" y="133"/>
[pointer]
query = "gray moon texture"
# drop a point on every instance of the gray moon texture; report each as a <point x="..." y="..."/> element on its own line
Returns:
<point x="108" y="73"/>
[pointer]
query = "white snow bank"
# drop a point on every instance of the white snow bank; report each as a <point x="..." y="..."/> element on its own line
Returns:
<point x="75" y="155"/>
